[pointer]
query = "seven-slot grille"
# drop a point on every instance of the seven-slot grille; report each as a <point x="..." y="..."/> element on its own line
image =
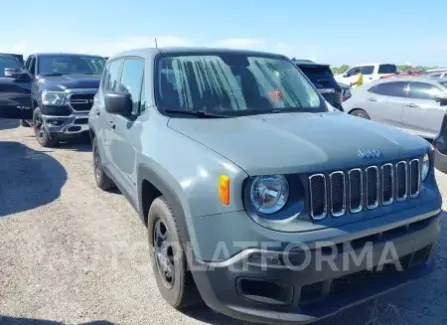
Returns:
<point x="352" y="191"/>
<point x="81" y="102"/>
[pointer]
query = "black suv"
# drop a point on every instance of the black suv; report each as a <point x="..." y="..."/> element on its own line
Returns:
<point x="15" y="88"/>
<point x="323" y="79"/>
<point x="62" y="90"/>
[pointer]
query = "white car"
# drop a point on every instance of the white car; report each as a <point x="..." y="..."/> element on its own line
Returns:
<point x="370" y="72"/>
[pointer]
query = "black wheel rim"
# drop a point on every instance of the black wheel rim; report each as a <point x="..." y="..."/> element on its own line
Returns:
<point x="38" y="127"/>
<point x="164" y="253"/>
<point x="97" y="164"/>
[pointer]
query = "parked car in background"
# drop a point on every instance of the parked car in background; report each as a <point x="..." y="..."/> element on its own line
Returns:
<point x="440" y="147"/>
<point x="62" y="91"/>
<point x="15" y="88"/>
<point x="244" y="179"/>
<point x="370" y="72"/>
<point x="416" y="105"/>
<point x="17" y="56"/>
<point x="345" y="91"/>
<point x="323" y="79"/>
<point x="437" y="74"/>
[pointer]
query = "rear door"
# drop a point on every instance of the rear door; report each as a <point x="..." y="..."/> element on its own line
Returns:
<point x="385" y="102"/>
<point x="15" y="94"/>
<point x="368" y="73"/>
<point x="422" y="113"/>
<point x="386" y="70"/>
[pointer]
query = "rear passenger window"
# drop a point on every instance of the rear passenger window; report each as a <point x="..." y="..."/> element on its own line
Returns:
<point x="367" y="69"/>
<point x="395" y="89"/>
<point x="132" y="79"/>
<point x="422" y="90"/>
<point x="111" y="75"/>
<point x="387" y="68"/>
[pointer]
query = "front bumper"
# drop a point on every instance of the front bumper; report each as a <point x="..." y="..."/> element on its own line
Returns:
<point x="262" y="286"/>
<point x="72" y="125"/>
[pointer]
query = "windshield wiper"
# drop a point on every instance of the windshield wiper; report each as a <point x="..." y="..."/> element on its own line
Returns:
<point x="202" y="114"/>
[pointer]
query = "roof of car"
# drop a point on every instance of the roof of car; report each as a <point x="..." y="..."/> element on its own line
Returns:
<point x="152" y="51"/>
<point x="309" y="62"/>
<point x="409" y="78"/>
<point x="65" y="54"/>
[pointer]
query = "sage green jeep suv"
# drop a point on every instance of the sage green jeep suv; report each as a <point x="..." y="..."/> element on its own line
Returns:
<point x="258" y="200"/>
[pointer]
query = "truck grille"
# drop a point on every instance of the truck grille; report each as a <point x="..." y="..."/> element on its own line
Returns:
<point x="357" y="189"/>
<point x="81" y="102"/>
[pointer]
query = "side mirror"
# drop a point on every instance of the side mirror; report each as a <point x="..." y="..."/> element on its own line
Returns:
<point x="345" y="75"/>
<point x="17" y="74"/>
<point x="441" y="99"/>
<point x="119" y="103"/>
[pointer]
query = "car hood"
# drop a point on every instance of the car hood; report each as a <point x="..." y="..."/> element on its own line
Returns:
<point x="80" y="81"/>
<point x="299" y="142"/>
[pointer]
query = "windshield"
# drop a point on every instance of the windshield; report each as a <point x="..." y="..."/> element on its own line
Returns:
<point x="70" y="64"/>
<point x="321" y="76"/>
<point x="233" y="84"/>
<point x="8" y="62"/>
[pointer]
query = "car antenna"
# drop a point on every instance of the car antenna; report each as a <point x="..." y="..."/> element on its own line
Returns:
<point x="156" y="46"/>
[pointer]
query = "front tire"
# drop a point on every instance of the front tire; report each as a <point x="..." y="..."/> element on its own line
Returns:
<point x="25" y="124"/>
<point x="168" y="258"/>
<point x="43" y="136"/>
<point x="102" y="180"/>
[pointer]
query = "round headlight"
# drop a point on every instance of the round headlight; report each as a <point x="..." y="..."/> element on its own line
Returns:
<point x="269" y="194"/>
<point x="425" y="168"/>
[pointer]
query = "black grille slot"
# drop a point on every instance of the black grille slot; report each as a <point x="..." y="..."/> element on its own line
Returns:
<point x="372" y="187"/>
<point x="318" y="196"/>
<point x="415" y="177"/>
<point x="81" y="102"/>
<point x="355" y="190"/>
<point x="387" y="184"/>
<point x="338" y="193"/>
<point x="401" y="181"/>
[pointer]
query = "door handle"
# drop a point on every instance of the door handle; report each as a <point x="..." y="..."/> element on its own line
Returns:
<point x="412" y="105"/>
<point x="372" y="99"/>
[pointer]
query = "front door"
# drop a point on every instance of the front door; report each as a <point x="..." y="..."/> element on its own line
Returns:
<point x="15" y="91"/>
<point x="126" y="139"/>
<point x="422" y="113"/>
<point x="384" y="102"/>
<point x="110" y="83"/>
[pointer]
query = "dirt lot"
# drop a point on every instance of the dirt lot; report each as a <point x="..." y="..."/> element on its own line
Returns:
<point x="71" y="254"/>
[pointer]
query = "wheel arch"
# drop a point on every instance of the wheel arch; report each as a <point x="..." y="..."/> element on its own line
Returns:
<point x="152" y="185"/>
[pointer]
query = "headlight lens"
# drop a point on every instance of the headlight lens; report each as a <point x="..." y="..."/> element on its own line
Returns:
<point x="53" y="97"/>
<point x="425" y="168"/>
<point x="269" y="193"/>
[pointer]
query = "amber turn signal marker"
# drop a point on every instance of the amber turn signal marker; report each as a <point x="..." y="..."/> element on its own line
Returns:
<point x="224" y="189"/>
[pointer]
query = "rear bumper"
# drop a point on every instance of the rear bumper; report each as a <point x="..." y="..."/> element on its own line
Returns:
<point x="302" y="286"/>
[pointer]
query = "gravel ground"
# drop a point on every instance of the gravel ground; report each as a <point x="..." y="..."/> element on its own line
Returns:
<point x="72" y="254"/>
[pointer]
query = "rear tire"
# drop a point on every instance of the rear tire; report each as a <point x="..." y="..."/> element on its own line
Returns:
<point x="360" y="113"/>
<point x="103" y="181"/>
<point x="25" y="124"/>
<point x="168" y="258"/>
<point x="43" y="136"/>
